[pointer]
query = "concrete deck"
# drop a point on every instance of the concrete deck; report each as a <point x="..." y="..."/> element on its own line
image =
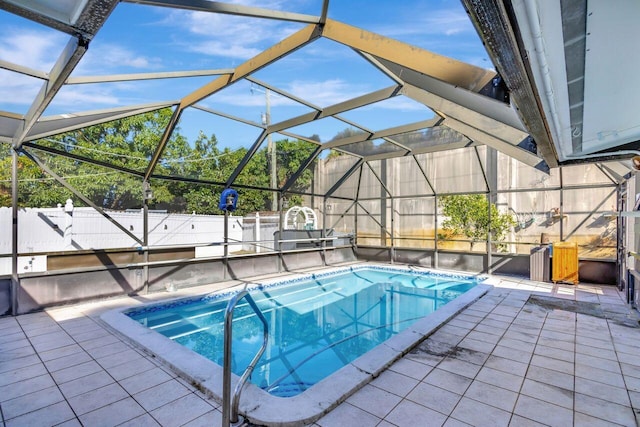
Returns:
<point x="526" y="354"/>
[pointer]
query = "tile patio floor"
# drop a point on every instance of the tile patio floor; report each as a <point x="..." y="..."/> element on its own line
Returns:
<point x="526" y="354"/>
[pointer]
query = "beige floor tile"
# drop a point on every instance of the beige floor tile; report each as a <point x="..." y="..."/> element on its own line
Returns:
<point x="113" y="414"/>
<point x="518" y="421"/>
<point x="126" y="356"/>
<point x="593" y="342"/>
<point x="395" y="383"/>
<point x="53" y="414"/>
<point x="434" y="398"/>
<point x="548" y="393"/>
<point x="67" y="361"/>
<point x="13" y="336"/>
<point x="554" y="353"/>
<point x="477" y="345"/>
<point x="507" y="365"/>
<point x="348" y="415"/>
<point x="517" y="355"/>
<point x="600" y="375"/>
<point x="587" y="420"/>
<point x="553" y="364"/>
<point x="104" y="346"/>
<point x="22" y="374"/>
<point x="161" y="394"/>
<point x="18" y="363"/>
<point x="75" y="372"/>
<point x="144" y="420"/>
<point x="181" y="411"/>
<point x="21" y="388"/>
<point x="460" y="367"/>
<point x="85" y="384"/>
<point x="500" y="379"/>
<point x="479" y="414"/>
<point x="448" y="381"/>
<point x="562" y="345"/>
<point x="211" y="418"/>
<point x="94" y="399"/>
<point x="598" y="362"/>
<point x="411" y="368"/>
<point x="60" y="352"/>
<point x="598" y="390"/>
<point x="543" y="412"/>
<point x="410" y="414"/>
<point x="604" y="410"/>
<point x="452" y="422"/>
<point x="374" y="400"/>
<point x="491" y="395"/>
<point x="7" y="355"/>
<point x="144" y="380"/>
<point x="31" y="402"/>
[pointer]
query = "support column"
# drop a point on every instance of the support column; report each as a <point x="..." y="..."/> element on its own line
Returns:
<point x="15" y="280"/>
<point x="145" y="244"/>
<point x="68" y="225"/>
<point x="257" y="235"/>
<point x="491" y="175"/>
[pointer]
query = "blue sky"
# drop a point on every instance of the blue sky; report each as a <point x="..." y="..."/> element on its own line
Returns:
<point x="139" y="39"/>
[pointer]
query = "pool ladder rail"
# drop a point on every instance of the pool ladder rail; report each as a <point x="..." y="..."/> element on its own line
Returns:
<point x="229" y="403"/>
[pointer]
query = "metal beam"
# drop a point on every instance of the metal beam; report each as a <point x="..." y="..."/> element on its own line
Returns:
<point x="374" y="61"/>
<point x="247" y="157"/>
<point x="282" y="92"/>
<point x="397" y="130"/>
<point x="300" y="137"/>
<point x="228" y="116"/>
<point x="67" y="61"/>
<point x="264" y="58"/>
<point x="230" y="9"/>
<point x="424" y="174"/>
<point x="505" y="147"/>
<point x="449" y="70"/>
<point x="340" y="107"/>
<point x="425" y="150"/>
<point x="54" y="125"/>
<point x="384" y="186"/>
<point x="476" y="110"/>
<point x="23" y="70"/>
<point x="344" y="178"/>
<point x="69" y="155"/>
<point x="293" y="178"/>
<point x="145" y="76"/>
<point x="166" y="135"/>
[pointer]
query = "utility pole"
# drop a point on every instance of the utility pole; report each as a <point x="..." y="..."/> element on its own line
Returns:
<point x="271" y="153"/>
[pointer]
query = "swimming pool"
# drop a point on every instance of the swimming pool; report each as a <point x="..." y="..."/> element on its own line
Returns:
<point x="330" y="333"/>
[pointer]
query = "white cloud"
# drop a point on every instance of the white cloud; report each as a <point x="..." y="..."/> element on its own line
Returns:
<point x="227" y="36"/>
<point x="34" y="49"/>
<point x="324" y="93"/>
<point x="119" y="58"/>
<point x="446" y="22"/>
<point x="77" y="97"/>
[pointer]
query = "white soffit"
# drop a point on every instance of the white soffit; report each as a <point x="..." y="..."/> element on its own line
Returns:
<point x="612" y="80"/>
<point x="540" y="23"/>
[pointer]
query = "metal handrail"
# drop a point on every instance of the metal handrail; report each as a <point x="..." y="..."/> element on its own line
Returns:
<point x="229" y="405"/>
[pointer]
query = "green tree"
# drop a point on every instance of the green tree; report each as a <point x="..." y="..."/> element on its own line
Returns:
<point x="129" y="144"/>
<point x="468" y="215"/>
<point x="126" y="143"/>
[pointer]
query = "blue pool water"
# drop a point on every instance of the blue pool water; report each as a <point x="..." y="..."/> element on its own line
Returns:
<point x="317" y="324"/>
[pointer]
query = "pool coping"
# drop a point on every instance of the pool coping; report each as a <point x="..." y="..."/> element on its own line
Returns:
<point x="260" y="407"/>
